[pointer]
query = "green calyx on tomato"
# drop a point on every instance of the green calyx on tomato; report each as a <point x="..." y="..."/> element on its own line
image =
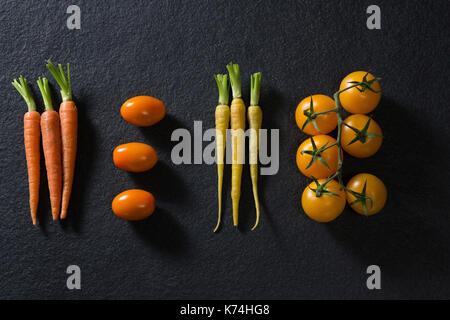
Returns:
<point x="311" y="117"/>
<point x="315" y="153"/>
<point x="366" y="84"/>
<point x="321" y="189"/>
<point x="361" y="197"/>
<point x="361" y="135"/>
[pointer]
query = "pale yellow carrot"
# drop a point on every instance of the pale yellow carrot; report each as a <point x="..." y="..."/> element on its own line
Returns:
<point x="255" y="121"/>
<point x="237" y="111"/>
<point x="222" y="122"/>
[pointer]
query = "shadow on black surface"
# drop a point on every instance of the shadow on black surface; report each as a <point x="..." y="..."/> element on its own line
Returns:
<point x="44" y="210"/>
<point x="163" y="182"/>
<point x="162" y="232"/>
<point x="86" y="154"/>
<point x="401" y="235"/>
<point x="159" y="134"/>
<point x="271" y="98"/>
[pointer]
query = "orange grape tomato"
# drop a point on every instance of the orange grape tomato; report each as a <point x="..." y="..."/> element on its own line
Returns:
<point x="143" y="111"/>
<point x="133" y="204"/>
<point x="355" y="101"/>
<point x="326" y="122"/>
<point x="135" y="157"/>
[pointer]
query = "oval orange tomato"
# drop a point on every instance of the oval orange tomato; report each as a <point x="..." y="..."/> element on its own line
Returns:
<point x="135" y="157"/>
<point x="133" y="204"/>
<point x="325" y="122"/>
<point x="355" y="101"/>
<point x="375" y="190"/>
<point x="327" y="207"/>
<point x="143" y="111"/>
<point x="359" y="148"/>
<point x="318" y="169"/>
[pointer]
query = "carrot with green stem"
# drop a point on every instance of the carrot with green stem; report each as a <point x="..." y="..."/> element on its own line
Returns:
<point x="222" y="123"/>
<point x="51" y="143"/>
<point x="69" y="128"/>
<point x="254" y="115"/>
<point x="237" y="112"/>
<point x="32" y="140"/>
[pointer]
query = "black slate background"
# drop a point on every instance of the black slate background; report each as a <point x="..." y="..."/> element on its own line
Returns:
<point x="170" y="50"/>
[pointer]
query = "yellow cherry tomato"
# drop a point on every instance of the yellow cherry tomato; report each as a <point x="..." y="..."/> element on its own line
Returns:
<point x="371" y="142"/>
<point x="327" y="207"/>
<point x="143" y="111"/>
<point x="135" y="157"/>
<point x="133" y="204"/>
<point x="355" y="101"/>
<point x="318" y="169"/>
<point x="375" y="190"/>
<point x="326" y="122"/>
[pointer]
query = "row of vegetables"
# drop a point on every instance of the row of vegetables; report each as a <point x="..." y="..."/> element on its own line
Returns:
<point x="141" y="111"/>
<point x="320" y="157"/>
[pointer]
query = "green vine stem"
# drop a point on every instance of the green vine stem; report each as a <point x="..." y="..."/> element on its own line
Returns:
<point x="364" y="84"/>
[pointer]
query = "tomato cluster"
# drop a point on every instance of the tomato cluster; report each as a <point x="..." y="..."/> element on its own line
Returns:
<point x="320" y="156"/>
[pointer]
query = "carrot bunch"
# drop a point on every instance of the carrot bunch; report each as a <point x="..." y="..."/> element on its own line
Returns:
<point x="59" y="140"/>
<point x="235" y="116"/>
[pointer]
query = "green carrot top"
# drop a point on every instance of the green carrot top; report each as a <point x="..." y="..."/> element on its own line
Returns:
<point x="235" y="79"/>
<point x="255" y="81"/>
<point x="222" y="84"/>
<point x="45" y="92"/>
<point x="60" y="77"/>
<point x="22" y="87"/>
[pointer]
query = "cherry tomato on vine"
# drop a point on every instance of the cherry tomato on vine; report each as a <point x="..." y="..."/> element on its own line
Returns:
<point x="367" y="190"/>
<point x="135" y="157"/>
<point x="365" y="140"/>
<point x="359" y="99"/>
<point x="325" y="123"/>
<point x="133" y="204"/>
<point x="314" y="160"/>
<point x="143" y="111"/>
<point x="328" y="206"/>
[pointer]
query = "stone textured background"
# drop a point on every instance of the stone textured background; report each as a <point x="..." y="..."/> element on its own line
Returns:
<point x="170" y="50"/>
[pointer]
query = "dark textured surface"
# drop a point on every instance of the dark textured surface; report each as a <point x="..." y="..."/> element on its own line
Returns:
<point x="170" y="50"/>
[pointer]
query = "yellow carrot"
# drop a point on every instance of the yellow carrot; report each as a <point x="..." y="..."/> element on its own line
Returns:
<point x="222" y="122"/>
<point x="237" y="111"/>
<point x="254" y="115"/>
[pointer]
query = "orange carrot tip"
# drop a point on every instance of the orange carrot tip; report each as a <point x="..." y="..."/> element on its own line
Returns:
<point x="63" y="81"/>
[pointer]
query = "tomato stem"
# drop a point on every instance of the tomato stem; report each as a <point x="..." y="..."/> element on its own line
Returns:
<point x="338" y="109"/>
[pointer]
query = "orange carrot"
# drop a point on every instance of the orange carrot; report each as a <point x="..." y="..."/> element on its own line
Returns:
<point x="51" y="143"/>
<point x="69" y="127"/>
<point x="32" y="137"/>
